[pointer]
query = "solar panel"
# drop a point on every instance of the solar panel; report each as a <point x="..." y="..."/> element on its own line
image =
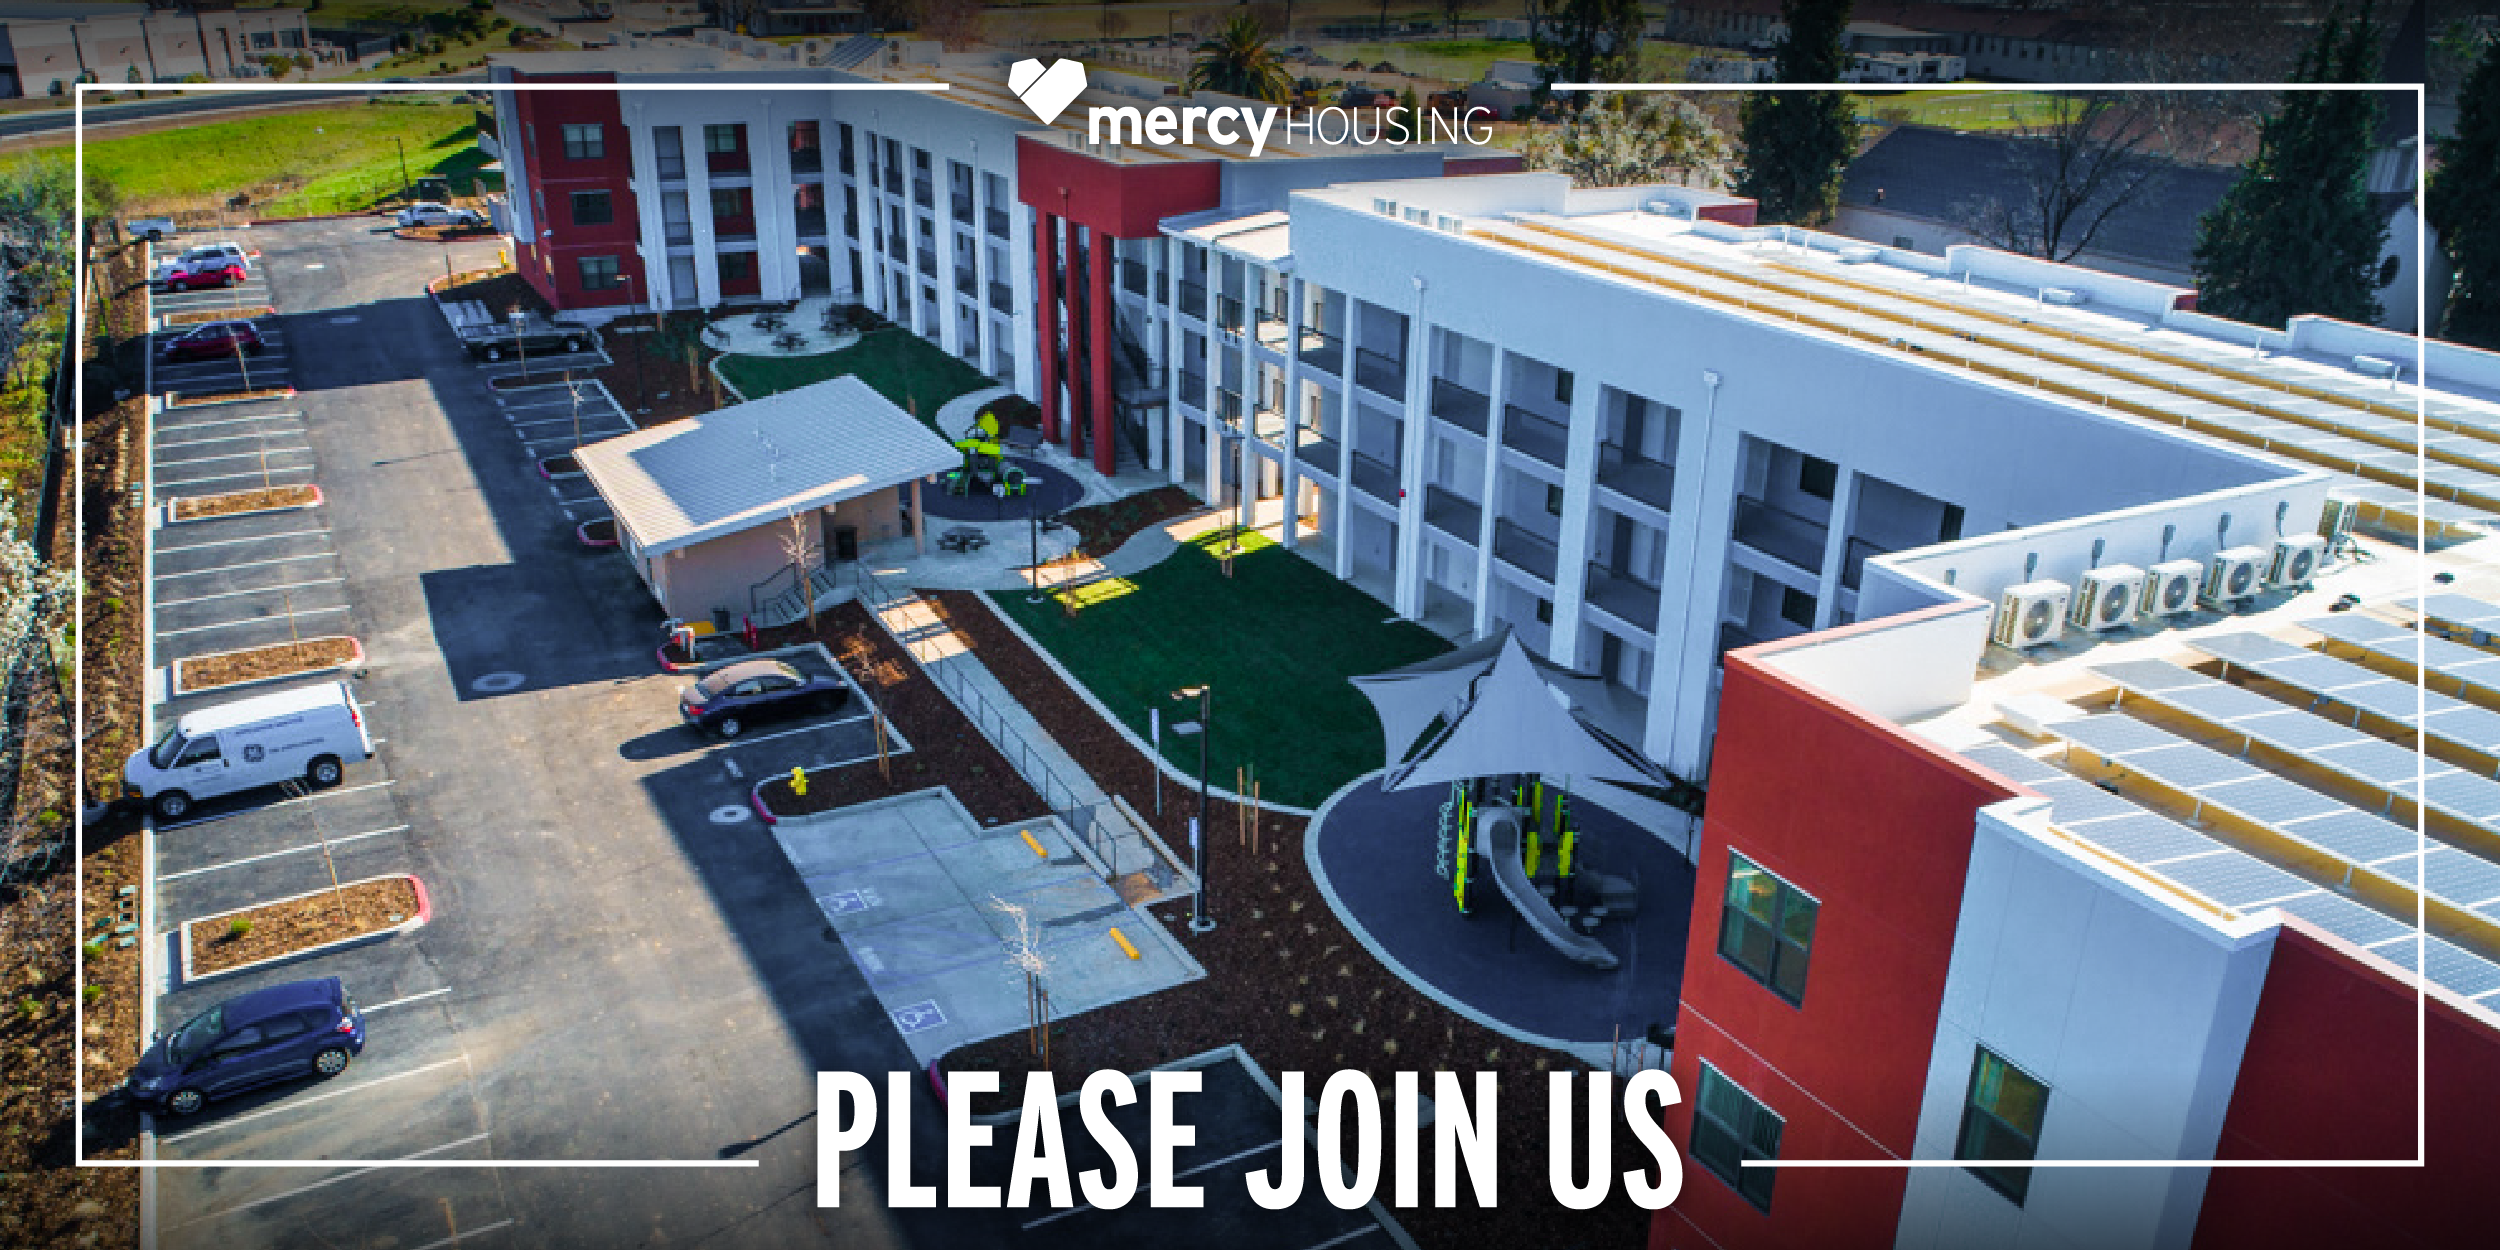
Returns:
<point x="2219" y="702"/>
<point x="2192" y="767"/>
<point x="2462" y="610"/>
<point x="2380" y="763"/>
<point x="2271" y="800"/>
<point x="2461" y="970"/>
<point x="2245" y="648"/>
<point x="2357" y="836"/>
<point x="2346" y="919"/>
<point x="2013" y="764"/>
<point x="2145" y="838"/>
<point x="2474" y="797"/>
<point x="2236" y="880"/>
<point x="2149" y="676"/>
<point x="2465" y="880"/>
<point x="2074" y="801"/>
<point x="2297" y="732"/>
<point x="2342" y="681"/>
<point x="2114" y="735"/>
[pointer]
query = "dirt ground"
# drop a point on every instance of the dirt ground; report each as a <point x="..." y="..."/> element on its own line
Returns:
<point x="198" y="507"/>
<point x="275" y="929"/>
<point x="225" y="668"/>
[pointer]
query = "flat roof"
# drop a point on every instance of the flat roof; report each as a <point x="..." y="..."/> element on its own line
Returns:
<point x="755" y="463"/>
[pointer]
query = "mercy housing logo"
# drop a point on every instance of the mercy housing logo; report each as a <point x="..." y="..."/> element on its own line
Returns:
<point x="1049" y="91"/>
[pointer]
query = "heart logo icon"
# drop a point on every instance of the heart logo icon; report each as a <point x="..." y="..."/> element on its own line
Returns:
<point x="1048" y="92"/>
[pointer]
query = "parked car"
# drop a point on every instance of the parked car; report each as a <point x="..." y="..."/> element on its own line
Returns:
<point x="214" y="340"/>
<point x="431" y="214"/>
<point x="500" y="341"/>
<point x="308" y="733"/>
<point x="152" y="229"/>
<point x="736" y="696"/>
<point x="282" y="1033"/>
<point x="213" y="272"/>
<point x="229" y="253"/>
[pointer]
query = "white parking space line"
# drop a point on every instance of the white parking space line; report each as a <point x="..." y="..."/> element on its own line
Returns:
<point x="194" y="425"/>
<point x="249" y="620"/>
<point x="301" y="1190"/>
<point x="253" y="564"/>
<point x="456" y="1238"/>
<point x="412" y="998"/>
<point x="163" y="443"/>
<point x="325" y="794"/>
<point x="590" y="434"/>
<point x="300" y="1103"/>
<point x="292" y="850"/>
<point x="261" y="590"/>
<point x="163" y="482"/>
<point x="162" y="549"/>
<point x="810" y="727"/>
<point x="164" y="463"/>
<point x="588" y="416"/>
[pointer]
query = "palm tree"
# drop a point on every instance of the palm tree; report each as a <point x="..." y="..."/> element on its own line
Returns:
<point x="1237" y="61"/>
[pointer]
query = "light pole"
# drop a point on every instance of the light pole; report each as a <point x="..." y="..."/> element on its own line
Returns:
<point x="520" y="338"/>
<point x="642" y="389"/>
<point x="1199" y="920"/>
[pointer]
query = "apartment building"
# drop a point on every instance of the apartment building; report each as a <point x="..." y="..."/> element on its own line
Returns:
<point x="45" y="48"/>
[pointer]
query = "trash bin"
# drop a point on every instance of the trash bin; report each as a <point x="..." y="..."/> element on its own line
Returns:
<point x="845" y="543"/>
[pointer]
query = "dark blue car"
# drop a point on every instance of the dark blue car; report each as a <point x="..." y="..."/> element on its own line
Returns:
<point x="299" y="1029"/>
<point x="734" y="696"/>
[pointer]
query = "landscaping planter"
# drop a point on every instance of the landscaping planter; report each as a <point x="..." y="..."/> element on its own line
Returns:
<point x="291" y="928"/>
<point x="227" y="669"/>
<point x="557" y="468"/>
<point x="227" y="314"/>
<point x="202" y="400"/>
<point x="598" y="533"/>
<point x="443" y="234"/>
<point x="244" y="502"/>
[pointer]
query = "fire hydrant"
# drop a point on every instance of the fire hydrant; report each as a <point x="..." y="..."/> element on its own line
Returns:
<point x="798" y="781"/>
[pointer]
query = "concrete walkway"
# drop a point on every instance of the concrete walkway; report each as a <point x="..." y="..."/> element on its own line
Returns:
<point x="955" y="415"/>
<point x="737" y="335"/>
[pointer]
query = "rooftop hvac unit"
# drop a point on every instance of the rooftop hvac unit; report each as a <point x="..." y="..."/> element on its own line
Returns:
<point x="2233" y="574"/>
<point x="2064" y="296"/>
<point x="1858" y="255"/>
<point x="2170" y="588"/>
<point x="2335" y="520"/>
<point x="2296" y="560"/>
<point x="2375" y="366"/>
<point x="1668" y="208"/>
<point x="2031" y="614"/>
<point x="2107" y="598"/>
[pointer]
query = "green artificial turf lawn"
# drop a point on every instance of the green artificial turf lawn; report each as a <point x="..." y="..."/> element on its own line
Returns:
<point x="911" y="371"/>
<point x="1277" y="640"/>
<point x="347" y="155"/>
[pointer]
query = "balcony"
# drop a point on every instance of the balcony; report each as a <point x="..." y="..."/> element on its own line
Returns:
<point x="1525" y="550"/>
<point x="1537" y="437"/>
<point x="726" y="164"/>
<point x="678" y="234"/>
<point x="1002" y="297"/>
<point x="1782" y="535"/>
<point x="924" y="193"/>
<point x="671" y="168"/>
<point x="1853" y="563"/>
<point x="1384" y="375"/>
<point x="845" y="163"/>
<point x="1228" y="408"/>
<point x="995" y="219"/>
<point x="810" y="223"/>
<point x="807" y="160"/>
<point x="894" y="248"/>
<point x="1460" y="406"/>
<point x="1322" y="351"/>
<point x="1452" y="514"/>
<point x="967" y="282"/>
<point x="1269" y="425"/>
<point x="1133" y="276"/>
<point x="1194" y="389"/>
<point x="1373" y="478"/>
<point x="1638" y="477"/>
<point x="1193" y="299"/>
<point x="1627" y="599"/>
<point x="1319" y="452"/>
<point x="962" y="207"/>
<point x="927" y="265"/>
<point x="1228" y="314"/>
<point x="733" y="229"/>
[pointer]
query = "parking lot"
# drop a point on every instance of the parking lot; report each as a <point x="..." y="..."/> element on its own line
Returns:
<point x="554" y="416"/>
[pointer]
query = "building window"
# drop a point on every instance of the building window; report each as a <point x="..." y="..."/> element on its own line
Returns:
<point x="2002" y="1121"/>
<point x="1545" y="611"/>
<point x="1818" y="477"/>
<point x="1553" y="500"/>
<point x="599" y="273"/>
<point x="1796" y="607"/>
<point x="585" y="143"/>
<point x="726" y="202"/>
<point x="736" y="265"/>
<point x="1950" y="527"/>
<point x="721" y="139"/>
<point x="1729" y="1127"/>
<point x="1562" y="386"/>
<point x="1766" y="927"/>
<point x="593" y="208"/>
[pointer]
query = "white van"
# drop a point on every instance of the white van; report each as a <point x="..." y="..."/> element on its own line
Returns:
<point x="308" y="734"/>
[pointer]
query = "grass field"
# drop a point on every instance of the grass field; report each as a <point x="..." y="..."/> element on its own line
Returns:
<point x="343" y="157"/>
<point x="911" y="371"/>
<point x="1956" y="110"/>
<point x="1277" y="640"/>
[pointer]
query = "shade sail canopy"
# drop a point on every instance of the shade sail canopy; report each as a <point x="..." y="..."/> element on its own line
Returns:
<point x="1409" y="699"/>
<point x="1508" y="717"/>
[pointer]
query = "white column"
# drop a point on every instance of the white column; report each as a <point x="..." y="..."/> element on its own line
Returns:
<point x="1495" y="411"/>
<point x="772" y="184"/>
<point x="699" y="192"/>
<point x="1707" y="460"/>
<point x="1352" y="319"/>
<point x="1835" y="550"/>
<point x="1173" y="423"/>
<point x="1026" y="330"/>
<point x="1407" y="578"/>
<point x="1291" y="410"/>
<point x="1587" y="428"/>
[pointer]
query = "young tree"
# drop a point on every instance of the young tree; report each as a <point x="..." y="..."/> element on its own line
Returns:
<point x="1585" y="41"/>
<point x="1629" y="140"/>
<point x="2079" y="160"/>
<point x="1797" y="142"/>
<point x="955" y="23"/>
<point x="1237" y="60"/>
<point x="2464" y="207"/>
<point x="2296" y="234"/>
<point x="1452" y="13"/>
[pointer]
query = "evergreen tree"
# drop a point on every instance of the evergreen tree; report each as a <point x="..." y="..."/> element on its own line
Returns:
<point x="1237" y="60"/>
<point x="1797" y="142"/>
<point x="1585" y="41"/>
<point x="2296" y="234"/>
<point x="2464" y="208"/>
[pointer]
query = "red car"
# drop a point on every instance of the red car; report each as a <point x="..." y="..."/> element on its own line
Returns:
<point x="214" y="340"/>
<point x="204" y="274"/>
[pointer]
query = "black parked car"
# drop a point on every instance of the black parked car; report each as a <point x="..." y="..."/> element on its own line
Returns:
<point x="299" y="1029"/>
<point x="500" y="342"/>
<point x="751" y="691"/>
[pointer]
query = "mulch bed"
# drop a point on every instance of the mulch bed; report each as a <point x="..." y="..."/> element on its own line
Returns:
<point x="1286" y="980"/>
<point x="204" y="316"/>
<point x="599" y="533"/>
<point x="189" y="400"/>
<point x="444" y="234"/>
<point x="560" y="466"/>
<point x="652" y="370"/>
<point x="197" y="507"/>
<point x="226" y="668"/>
<point x="275" y="929"/>
<point x="946" y="748"/>
<point x="1102" y="527"/>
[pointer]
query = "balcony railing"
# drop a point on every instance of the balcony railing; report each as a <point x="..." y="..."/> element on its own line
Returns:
<point x="733" y="229"/>
<point x="1133" y="276"/>
<point x="1228" y="407"/>
<point x="967" y="282"/>
<point x="1193" y="299"/>
<point x="1385" y="375"/>
<point x="1537" y="436"/>
<point x="923" y="193"/>
<point x="1002" y="297"/>
<point x="1452" y="514"/>
<point x="1373" y="478"/>
<point x="927" y="265"/>
<point x="807" y="160"/>
<point x="1854" y="562"/>
<point x="1650" y="481"/>
<point x="1269" y="425"/>
<point x="1322" y="351"/>
<point x="1320" y="452"/>
<point x="1525" y="550"/>
<point x="995" y="219"/>
<point x="810" y="223"/>
<point x="725" y="164"/>
<point x="1194" y="390"/>
<point x="1627" y="599"/>
<point x="1781" y="534"/>
<point x="678" y="234"/>
<point x="895" y="249"/>
<point x="1467" y="409"/>
<point x="1228" y="314"/>
<point x="672" y="168"/>
<point x="962" y="207"/>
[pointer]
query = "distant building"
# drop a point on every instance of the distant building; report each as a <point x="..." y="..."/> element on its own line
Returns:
<point x="47" y="48"/>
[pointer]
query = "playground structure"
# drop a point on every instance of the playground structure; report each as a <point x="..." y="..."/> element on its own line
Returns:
<point x="985" y="469"/>
<point x="1493" y="723"/>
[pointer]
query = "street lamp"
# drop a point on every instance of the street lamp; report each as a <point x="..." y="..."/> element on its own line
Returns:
<point x="520" y="338"/>
<point x="642" y="389"/>
<point x="1199" y="920"/>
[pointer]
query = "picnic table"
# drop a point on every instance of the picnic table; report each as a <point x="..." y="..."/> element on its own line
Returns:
<point x="962" y="538"/>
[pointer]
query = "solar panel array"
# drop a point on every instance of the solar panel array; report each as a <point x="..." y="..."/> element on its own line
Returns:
<point x="2462" y="611"/>
<point x="2331" y="681"/>
<point x="2466" y="666"/>
<point x="2229" y="876"/>
<point x="2375" y="763"/>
